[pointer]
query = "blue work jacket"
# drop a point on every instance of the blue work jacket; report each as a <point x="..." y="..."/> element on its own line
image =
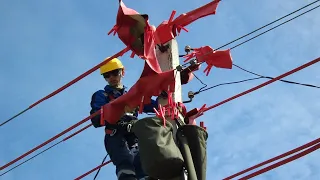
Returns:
<point x="102" y="97"/>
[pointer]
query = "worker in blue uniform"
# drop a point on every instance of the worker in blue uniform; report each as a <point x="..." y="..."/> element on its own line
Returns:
<point x="120" y="144"/>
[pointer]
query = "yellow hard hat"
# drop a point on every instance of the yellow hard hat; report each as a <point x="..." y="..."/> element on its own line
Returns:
<point x="111" y="65"/>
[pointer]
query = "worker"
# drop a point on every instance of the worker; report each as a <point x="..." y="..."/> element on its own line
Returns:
<point x="120" y="144"/>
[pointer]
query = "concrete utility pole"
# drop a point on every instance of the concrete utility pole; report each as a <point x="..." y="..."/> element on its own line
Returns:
<point x="168" y="58"/>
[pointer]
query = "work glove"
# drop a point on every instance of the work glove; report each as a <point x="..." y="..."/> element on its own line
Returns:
<point x="125" y="123"/>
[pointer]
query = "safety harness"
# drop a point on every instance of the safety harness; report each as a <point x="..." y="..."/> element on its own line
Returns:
<point x="110" y="129"/>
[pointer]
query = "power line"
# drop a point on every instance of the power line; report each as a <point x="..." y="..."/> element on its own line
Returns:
<point x="204" y="84"/>
<point x="251" y="79"/>
<point x="286" y="81"/>
<point x="264" y="84"/>
<point x="282" y="162"/>
<point x="196" y="77"/>
<point x="293" y="151"/>
<point x="267" y="24"/>
<point x="31" y="158"/>
<point x="52" y="139"/>
<point x="92" y="170"/>
<point x="104" y="159"/>
<point x="273" y="79"/>
<point x="261" y="76"/>
<point x="275" y="26"/>
<point x="262" y="27"/>
<point x="270" y="30"/>
<point x="120" y="53"/>
<point x="234" y="82"/>
<point x="65" y="139"/>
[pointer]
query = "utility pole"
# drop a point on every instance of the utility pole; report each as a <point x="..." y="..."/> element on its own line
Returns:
<point x="168" y="58"/>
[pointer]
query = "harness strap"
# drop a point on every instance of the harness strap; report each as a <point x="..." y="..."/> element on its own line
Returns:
<point x="111" y="130"/>
<point x="111" y="98"/>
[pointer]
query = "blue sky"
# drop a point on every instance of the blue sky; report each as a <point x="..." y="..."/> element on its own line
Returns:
<point x="45" y="44"/>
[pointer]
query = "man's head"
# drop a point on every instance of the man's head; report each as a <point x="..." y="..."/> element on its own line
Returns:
<point x="113" y="72"/>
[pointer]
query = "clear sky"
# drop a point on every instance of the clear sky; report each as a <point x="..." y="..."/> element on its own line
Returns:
<point x="45" y="44"/>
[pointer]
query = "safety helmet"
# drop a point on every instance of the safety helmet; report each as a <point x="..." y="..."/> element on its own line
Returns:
<point x="111" y="65"/>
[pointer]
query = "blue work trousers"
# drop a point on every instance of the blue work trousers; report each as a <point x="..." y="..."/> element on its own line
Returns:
<point x="128" y="165"/>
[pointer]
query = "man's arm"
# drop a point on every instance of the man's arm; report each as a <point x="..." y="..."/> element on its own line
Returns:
<point x="98" y="99"/>
<point x="154" y="103"/>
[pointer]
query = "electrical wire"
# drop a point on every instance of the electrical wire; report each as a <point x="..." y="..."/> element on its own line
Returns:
<point x="273" y="79"/>
<point x="261" y="76"/>
<point x="251" y="79"/>
<point x="52" y="139"/>
<point x="64" y="139"/>
<point x="204" y="84"/>
<point x="293" y="151"/>
<point x="31" y="158"/>
<point x="120" y="53"/>
<point x="262" y="27"/>
<point x="264" y="84"/>
<point x="276" y="26"/>
<point x="234" y="82"/>
<point x="104" y="159"/>
<point x="92" y="170"/>
<point x="286" y="81"/>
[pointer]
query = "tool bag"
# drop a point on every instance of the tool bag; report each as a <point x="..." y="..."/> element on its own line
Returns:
<point x="160" y="157"/>
<point x="195" y="139"/>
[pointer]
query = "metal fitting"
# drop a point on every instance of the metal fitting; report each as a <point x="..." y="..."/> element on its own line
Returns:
<point x="187" y="49"/>
<point x="179" y="68"/>
<point x="193" y="62"/>
<point x="191" y="94"/>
